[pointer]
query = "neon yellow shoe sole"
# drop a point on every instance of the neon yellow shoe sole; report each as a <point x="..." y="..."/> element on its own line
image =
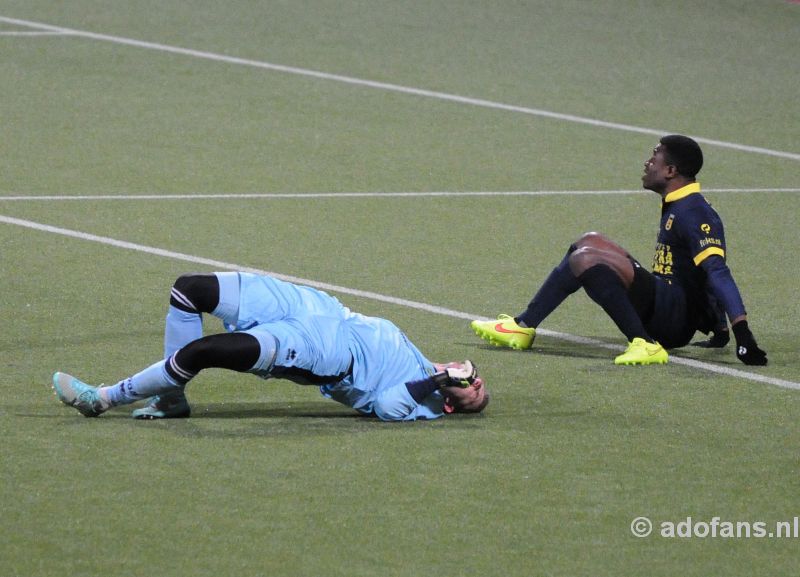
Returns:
<point x="504" y="332"/>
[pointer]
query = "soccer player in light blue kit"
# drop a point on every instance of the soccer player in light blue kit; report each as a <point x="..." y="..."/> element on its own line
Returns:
<point x="278" y="329"/>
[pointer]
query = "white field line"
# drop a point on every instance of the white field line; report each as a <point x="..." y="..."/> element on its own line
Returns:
<point x="292" y="195"/>
<point x="391" y="87"/>
<point x="31" y="33"/>
<point x="220" y="265"/>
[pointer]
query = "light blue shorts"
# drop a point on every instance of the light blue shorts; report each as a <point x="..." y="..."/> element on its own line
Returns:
<point x="247" y="300"/>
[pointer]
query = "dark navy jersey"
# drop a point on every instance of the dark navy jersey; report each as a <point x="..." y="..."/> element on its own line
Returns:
<point x="691" y="232"/>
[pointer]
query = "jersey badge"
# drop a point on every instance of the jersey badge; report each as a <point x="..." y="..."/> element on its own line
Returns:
<point x="705" y="228"/>
<point x="668" y="225"/>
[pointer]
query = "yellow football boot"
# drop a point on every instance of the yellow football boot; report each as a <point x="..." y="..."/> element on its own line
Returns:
<point x="640" y="352"/>
<point x="504" y="332"/>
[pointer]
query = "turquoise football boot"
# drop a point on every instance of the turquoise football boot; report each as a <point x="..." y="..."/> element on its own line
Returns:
<point x="75" y="393"/>
<point x="166" y="406"/>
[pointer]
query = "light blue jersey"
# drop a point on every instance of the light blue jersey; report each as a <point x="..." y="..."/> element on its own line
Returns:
<point x="362" y="362"/>
<point x="384" y="360"/>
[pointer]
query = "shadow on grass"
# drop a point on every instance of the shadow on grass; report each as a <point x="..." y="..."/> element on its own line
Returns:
<point x="304" y="411"/>
<point x="230" y="420"/>
<point x="550" y="350"/>
<point x="223" y="411"/>
<point x="246" y="420"/>
<point x="271" y="411"/>
<point x="721" y="356"/>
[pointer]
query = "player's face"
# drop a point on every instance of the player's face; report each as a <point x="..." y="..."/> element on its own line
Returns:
<point x="470" y="399"/>
<point x="655" y="171"/>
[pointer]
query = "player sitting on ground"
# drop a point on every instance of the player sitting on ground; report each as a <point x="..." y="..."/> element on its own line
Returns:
<point x="690" y="289"/>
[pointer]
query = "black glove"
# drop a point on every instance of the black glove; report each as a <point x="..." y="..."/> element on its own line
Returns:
<point x="747" y="349"/>
<point x="717" y="340"/>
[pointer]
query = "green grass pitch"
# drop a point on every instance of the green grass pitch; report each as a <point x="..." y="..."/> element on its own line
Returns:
<point x="268" y="478"/>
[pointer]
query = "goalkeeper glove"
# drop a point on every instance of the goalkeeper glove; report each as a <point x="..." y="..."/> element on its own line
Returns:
<point x="457" y="375"/>
<point x="747" y="349"/>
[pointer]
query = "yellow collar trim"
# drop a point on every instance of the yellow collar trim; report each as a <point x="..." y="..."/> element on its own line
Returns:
<point x="682" y="192"/>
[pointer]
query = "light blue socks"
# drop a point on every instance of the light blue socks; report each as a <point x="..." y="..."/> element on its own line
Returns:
<point x="153" y="380"/>
<point x="181" y="329"/>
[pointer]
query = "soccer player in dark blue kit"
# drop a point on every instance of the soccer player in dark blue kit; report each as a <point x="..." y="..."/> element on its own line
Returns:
<point x="689" y="289"/>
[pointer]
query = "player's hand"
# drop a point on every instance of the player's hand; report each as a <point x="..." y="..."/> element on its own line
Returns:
<point x="747" y="349"/>
<point x="459" y="375"/>
<point x="717" y="340"/>
<point x="750" y="354"/>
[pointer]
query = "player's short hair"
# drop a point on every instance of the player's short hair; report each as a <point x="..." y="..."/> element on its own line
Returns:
<point x="683" y="153"/>
<point x="479" y="409"/>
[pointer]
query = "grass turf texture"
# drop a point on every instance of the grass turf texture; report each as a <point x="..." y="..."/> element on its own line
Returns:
<point x="269" y="478"/>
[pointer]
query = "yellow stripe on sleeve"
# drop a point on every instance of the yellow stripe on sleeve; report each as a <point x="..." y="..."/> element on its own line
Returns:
<point x="707" y="253"/>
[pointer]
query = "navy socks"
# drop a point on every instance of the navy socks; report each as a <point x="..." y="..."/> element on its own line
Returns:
<point x="605" y="288"/>
<point x="558" y="286"/>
